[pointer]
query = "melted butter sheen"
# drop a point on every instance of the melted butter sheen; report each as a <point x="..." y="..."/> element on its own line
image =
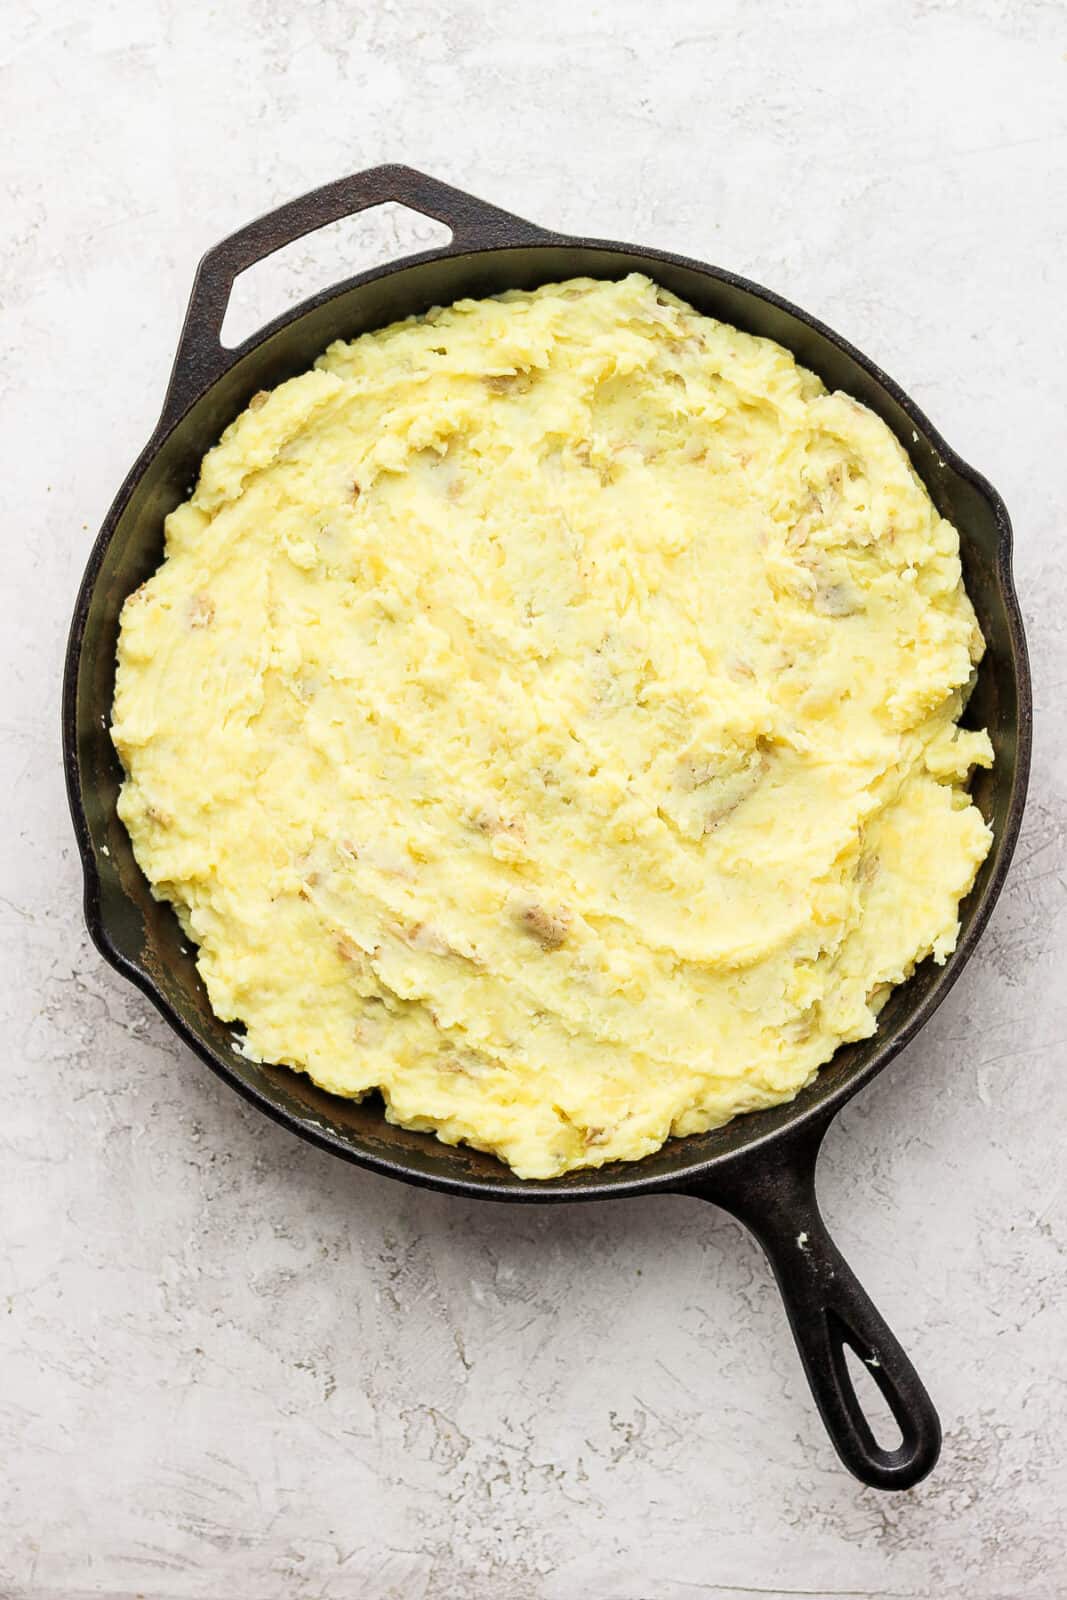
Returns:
<point x="546" y="712"/>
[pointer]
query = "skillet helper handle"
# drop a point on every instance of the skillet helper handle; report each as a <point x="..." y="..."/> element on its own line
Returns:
<point x="201" y="357"/>
<point x="829" y="1310"/>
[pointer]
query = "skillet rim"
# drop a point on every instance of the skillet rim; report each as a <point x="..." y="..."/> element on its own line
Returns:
<point x="585" y="1183"/>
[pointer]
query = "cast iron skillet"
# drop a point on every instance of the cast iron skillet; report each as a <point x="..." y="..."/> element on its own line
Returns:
<point x="761" y="1167"/>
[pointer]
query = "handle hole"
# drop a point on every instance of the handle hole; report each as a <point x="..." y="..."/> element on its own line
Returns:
<point x="880" y="1419"/>
<point x="325" y="257"/>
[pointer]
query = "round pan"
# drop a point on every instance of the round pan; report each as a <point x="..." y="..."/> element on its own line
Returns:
<point x="761" y="1167"/>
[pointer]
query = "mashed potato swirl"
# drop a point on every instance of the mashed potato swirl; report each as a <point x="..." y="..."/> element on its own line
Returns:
<point x="547" y="713"/>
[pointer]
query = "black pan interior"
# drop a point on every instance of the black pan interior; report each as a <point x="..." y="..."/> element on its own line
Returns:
<point x="142" y="935"/>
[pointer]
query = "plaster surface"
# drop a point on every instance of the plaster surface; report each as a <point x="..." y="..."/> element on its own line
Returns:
<point x="233" y="1367"/>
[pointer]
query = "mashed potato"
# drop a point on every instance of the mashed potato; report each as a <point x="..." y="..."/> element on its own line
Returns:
<point x="546" y="712"/>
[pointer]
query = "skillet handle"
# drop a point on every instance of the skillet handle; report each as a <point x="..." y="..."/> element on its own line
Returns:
<point x="829" y="1309"/>
<point x="201" y="357"/>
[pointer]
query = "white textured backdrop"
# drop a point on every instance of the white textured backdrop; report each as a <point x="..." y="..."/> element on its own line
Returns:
<point x="232" y="1367"/>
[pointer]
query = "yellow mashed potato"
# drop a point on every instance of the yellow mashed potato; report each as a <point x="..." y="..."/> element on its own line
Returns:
<point x="546" y="712"/>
